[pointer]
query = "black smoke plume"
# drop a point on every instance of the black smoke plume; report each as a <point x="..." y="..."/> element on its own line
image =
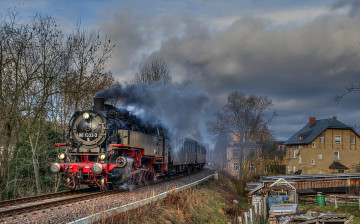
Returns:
<point x="181" y="108"/>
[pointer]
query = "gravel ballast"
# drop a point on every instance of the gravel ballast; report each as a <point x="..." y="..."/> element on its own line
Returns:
<point x="71" y="212"/>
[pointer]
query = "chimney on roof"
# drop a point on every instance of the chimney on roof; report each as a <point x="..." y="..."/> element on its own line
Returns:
<point x="335" y="117"/>
<point x="312" y="121"/>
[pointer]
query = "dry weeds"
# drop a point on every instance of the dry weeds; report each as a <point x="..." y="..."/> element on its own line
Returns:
<point x="211" y="202"/>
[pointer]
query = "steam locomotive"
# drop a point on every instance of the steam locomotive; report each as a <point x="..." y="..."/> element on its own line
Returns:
<point x="107" y="147"/>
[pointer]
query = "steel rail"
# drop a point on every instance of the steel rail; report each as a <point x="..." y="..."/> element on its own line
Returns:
<point x="40" y="197"/>
<point x="44" y="205"/>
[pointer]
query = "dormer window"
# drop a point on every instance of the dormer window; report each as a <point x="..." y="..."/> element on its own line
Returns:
<point x="301" y="137"/>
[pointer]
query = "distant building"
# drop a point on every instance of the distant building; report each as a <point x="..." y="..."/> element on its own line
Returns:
<point x="260" y="156"/>
<point x="323" y="146"/>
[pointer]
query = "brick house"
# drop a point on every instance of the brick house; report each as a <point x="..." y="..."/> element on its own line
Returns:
<point x="323" y="146"/>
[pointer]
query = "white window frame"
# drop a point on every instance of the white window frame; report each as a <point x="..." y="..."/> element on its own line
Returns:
<point x="312" y="162"/>
<point x="352" y="139"/>
<point x="313" y="144"/>
<point x="294" y="154"/>
<point x="338" y="155"/>
<point x="294" y="169"/>
<point x="236" y="166"/>
<point x="289" y="169"/>
<point x="252" y="167"/>
<point x="300" y="160"/>
<point x="319" y="156"/>
<point x="337" y="141"/>
<point x="322" y="139"/>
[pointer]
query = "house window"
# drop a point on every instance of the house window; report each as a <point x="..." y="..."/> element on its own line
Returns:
<point x="312" y="162"/>
<point x="353" y="140"/>
<point x="236" y="166"/>
<point x="300" y="160"/>
<point x="337" y="139"/>
<point x="336" y="155"/>
<point x="341" y="171"/>
<point x="294" y="169"/>
<point x="295" y="153"/>
<point x="289" y="170"/>
<point x="319" y="156"/>
<point x="300" y="138"/>
<point x="322" y="139"/>
<point x="252" y="167"/>
<point x="314" y="144"/>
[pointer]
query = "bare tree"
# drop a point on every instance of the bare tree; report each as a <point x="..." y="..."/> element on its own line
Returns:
<point x="47" y="61"/>
<point x="349" y="89"/>
<point x="44" y="76"/>
<point x="244" y="117"/>
<point x="151" y="72"/>
<point x="90" y="52"/>
<point x="14" y="41"/>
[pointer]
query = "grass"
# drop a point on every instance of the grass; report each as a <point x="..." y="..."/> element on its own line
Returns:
<point x="352" y="209"/>
<point x="211" y="202"/>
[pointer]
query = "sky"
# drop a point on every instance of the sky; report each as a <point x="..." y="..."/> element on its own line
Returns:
<point x="299" y="53"/>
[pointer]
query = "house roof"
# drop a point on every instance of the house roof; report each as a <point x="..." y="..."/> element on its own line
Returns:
<point x="276" y="188"/>
<point x="310" y="133"/>
<point x="338" y="166"/>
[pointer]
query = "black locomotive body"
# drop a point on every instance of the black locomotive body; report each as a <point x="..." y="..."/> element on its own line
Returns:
<point x="108" y="147"/>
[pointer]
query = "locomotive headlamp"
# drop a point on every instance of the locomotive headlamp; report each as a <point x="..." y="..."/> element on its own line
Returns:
<point x="54" y="168"/>
<point x="96" y="168"/>
<point x="86" y="115"/>
<point x="102" y="156"/>
<point x="61" y="156"/>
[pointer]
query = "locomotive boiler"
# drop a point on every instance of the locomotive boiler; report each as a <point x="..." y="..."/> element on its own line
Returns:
<point x="108" y="146"/>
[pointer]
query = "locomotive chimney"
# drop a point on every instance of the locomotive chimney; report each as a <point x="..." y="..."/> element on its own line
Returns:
<point x="99" y="104"/>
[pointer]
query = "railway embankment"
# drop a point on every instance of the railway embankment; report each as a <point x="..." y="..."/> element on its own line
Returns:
<point x="214" y="201"/>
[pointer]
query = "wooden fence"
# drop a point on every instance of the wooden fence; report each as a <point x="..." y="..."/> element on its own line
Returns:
<point x="257" y="214"/>
<point x="344" y="199"/>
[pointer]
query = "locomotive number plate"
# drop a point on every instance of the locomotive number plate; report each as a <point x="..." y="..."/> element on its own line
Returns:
<point x="88" y="135"/>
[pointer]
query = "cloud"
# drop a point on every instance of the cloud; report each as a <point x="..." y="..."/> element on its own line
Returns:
<point x="310" y="63"/>
<point x="300" y="67"/>
<point x="353" y="6"/>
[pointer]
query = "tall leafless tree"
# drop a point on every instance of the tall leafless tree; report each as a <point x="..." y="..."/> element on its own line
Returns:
<point x="153" y="71"/>
<point x="245" y="118"/>
<point x="44" y="76"/>
<point x="14" y="41"/>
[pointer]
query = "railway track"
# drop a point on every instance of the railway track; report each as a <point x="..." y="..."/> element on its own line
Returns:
<point x="25" y="205"/>
<point x="30" y="204"/>
<point x="18" y="201"/>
